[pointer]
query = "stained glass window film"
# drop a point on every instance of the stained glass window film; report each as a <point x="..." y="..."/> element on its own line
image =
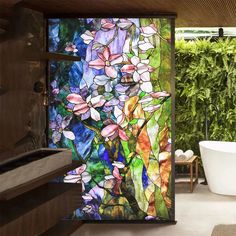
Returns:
<point x="112" y="108"/>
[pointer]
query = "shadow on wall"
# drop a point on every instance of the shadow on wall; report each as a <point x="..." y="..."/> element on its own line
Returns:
<point x="22" y="119"/>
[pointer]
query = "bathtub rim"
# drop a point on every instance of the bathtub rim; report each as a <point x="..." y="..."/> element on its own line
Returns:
<point x="204" y="142"/>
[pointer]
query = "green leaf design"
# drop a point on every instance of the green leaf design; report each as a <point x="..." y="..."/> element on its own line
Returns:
<point x="134" y="121"/>
<point x="162" y="210"/>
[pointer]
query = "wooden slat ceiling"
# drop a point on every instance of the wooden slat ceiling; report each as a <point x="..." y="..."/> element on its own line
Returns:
<point x="191" y="13"/>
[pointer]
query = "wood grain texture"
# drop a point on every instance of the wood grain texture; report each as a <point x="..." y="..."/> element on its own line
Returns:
<point x="64" y="228"/>
<point x="37" y="211"/>
<point x="200" y="13"/>
<point x="23" y="171"/>
<point x="18" y="190"/>
<point x="22" y="114"/>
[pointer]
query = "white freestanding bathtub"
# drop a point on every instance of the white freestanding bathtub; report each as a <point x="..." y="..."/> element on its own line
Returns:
<point x="219" y="163"/>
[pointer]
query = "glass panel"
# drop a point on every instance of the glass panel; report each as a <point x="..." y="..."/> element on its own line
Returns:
<point x="113" y="110"/>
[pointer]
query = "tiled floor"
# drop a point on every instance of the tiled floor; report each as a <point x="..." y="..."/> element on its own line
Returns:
<point x="196" y="215"/>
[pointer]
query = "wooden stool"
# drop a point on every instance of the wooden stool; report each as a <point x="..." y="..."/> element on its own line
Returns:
<point x="192" y="177"/>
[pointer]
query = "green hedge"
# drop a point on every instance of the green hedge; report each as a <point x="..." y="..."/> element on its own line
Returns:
<point x="205" y="73"/>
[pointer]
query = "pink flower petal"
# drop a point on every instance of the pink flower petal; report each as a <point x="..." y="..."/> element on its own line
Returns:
<point x="115" y="59"/>
<point x="150" y="69"/>
<point x="87" y="37"/>
<point x="97" y="64"/>
<point x="100" y="55"/>
<point x="98" y="101"/>
<point x="69" y="49"/>
<point x="160" y="94"/>
<point x="144" y="46"/>
<point x="123" y="135"/>
<point x="120" y="119"/>
<point x="109" y="130"/>
<point x="75" y="98"/>
<point x="145" y="99"/>
<point x="106" y="24"/>
<point x="146" y="87"/>
<point x="116" y="173"/>
<point x="110" y="71"/>
<point x="126" y="47"/>
<point x="124" y="24"/>
<point x="141" y="68"/>
<point x="128" y="69"/>
<point x="145" y="76"/>
<point x="148" y="30"/>
<point x="81" y="169"/>
<point x="135" y="60"/>
<point x="152" y="108"/>
<point x="114" y="136"/>
<point x="86" y="177"/>
<point x="95" y="115"/>
<point x="72" y="179"/>
<point x="81" y="108"/>
<point x="106" y="53"/>
<point x="136" y="76"/>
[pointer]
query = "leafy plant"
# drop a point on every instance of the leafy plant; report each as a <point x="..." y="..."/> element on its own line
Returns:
<point x="205" y="77"/>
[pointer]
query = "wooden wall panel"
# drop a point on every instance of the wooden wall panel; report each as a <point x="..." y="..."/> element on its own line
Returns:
<point x="22" y="115"/>
<point x="37" y="211"/>
<point x="198" y="13"/>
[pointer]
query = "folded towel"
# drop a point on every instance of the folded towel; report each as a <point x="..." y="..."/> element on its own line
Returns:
<point x="183" y="156"/>
<point x="178" y="152"/>
<point x="189" y="154"/>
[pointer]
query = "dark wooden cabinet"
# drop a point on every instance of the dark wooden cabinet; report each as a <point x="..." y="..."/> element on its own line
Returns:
<point x="40" y="207"/>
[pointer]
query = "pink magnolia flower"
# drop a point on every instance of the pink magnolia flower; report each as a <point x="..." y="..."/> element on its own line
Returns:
<point x="107" y="61"/>
<point x="145" y="45"/>
<point x="86" y="108"/>
<point x="124" y="24"/>
<point x="116" y="173"/>
<point x="88" y="36"/>
<point x="114" y="130"/>
<point x="153" y="95"/>
<point x="113" y="181"/>
<point x="107" y="24"/>
<point x="79" y="175"/>
<point x="70" y="47"/>
<point x="121" y="23"/>
<point x="149" y="30"/>
<point x="141" y="72"/>
<point x="152" y="108"/>
<point x="118" y="179"/>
